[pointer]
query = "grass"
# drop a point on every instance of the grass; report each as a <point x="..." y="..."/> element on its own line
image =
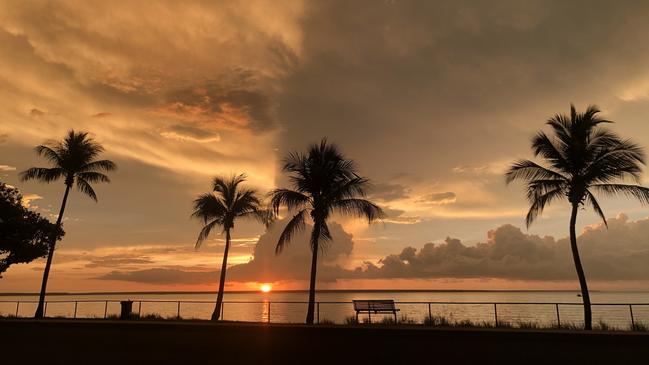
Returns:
<point x="440" y="321"/>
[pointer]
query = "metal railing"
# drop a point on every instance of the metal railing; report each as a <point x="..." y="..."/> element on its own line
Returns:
<point x="266" y="307"/>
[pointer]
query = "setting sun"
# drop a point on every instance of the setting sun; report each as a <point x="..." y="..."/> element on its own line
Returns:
<point x="266" y="288"/>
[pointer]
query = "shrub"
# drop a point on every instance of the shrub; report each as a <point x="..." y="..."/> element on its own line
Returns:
<point x="351" y="320"/>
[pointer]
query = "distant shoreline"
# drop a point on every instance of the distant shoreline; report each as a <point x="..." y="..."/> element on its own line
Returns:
<point x="320" y="291"/>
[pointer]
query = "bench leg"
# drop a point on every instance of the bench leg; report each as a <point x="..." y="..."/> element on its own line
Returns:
<point x="369" y="316"/>
<point x="395" y="317"/>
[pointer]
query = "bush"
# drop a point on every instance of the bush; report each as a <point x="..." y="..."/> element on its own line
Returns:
<point x="351" y="320"/>
<point x="437" y="321"/>
<point x="326" y="321"/>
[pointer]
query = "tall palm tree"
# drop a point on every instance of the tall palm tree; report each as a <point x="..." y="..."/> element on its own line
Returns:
<point x="221" y="207"/>
<point x="583" y="159"/>
<point x="75" y="161"/>
<point x="324" y="182"/>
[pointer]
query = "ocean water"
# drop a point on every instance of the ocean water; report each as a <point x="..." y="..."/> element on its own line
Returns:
<point x="542" y="307"/>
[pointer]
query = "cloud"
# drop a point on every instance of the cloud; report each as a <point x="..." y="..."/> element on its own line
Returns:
<point x="117" y="261"/>
<point x="397" y="216"/>
<point x="618" y="253"/>
<point x="36" y="112"/>
<point x="29" y="198"/>
<point x="388" y="192"/>
<point x="498" y="168"/>
<point x="232" y="104"/>
<point x="448" y="197"/>
<point x="188" y="133"/>
<point x="160" y="276"/>
<point x="265" y="266"/>
<point x="101" y="115"/>
<point x="294" y="262"/>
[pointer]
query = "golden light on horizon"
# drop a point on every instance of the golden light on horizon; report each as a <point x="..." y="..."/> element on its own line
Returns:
<point x="266" y="288"/>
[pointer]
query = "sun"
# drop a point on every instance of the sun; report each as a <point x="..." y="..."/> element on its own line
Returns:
<point x="266" y="288"/>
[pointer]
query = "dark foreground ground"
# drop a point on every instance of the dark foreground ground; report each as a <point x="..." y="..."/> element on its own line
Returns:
<point x="140" y="342"/>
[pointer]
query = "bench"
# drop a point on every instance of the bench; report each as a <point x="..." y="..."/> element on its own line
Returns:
<point x="375" y="306"/>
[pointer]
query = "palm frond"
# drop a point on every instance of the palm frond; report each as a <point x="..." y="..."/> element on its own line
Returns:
<point x="526" y="170"/>
<point x="99" y="165"/>
<point x="296" y="224"/>
<point x="360" y="208"/>
<point x="286" y="197"/>
<point x="322" y="237"/>
<point x="537" y="188"/>
<point x="44" y="174"/>
<point x="539" y="203"/>
<point x="633" y="191"/>
<point x="208" y="207"/>
<point x="49" y="153"/>
<point x="205" y="232"/>
<point x="543" y="146"/>
<point x="93" y="177"/>
<point x="590" y="199"/>
<point x="84" y="187"/>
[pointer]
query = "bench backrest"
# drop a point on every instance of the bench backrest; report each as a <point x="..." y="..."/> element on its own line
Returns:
<point x="374" y="305"/>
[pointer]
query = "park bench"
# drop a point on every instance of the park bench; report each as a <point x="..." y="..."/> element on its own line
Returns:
<point x="375" y="306"/>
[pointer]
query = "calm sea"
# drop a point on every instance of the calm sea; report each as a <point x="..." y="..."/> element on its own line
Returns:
<point x="289" y="307"/>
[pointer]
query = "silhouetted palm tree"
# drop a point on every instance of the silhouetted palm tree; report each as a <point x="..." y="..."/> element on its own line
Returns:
<point x="324" y="182"/>
<point x="222" y="207"/>
<point x="583" y="158"/>
<point x="74" y="161"/>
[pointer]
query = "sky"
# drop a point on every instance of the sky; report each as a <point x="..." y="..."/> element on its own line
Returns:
<point x="432" y="99"/>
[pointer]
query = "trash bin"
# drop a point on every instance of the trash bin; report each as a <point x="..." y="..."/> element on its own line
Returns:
<point x="127" y="309"/>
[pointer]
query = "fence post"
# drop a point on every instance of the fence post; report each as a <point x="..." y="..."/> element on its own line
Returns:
<point x="317" y="304"/>
<point x="17" y="306"/>
<point x="430" y="313"/>
<point x="558" y="317"/>
<point x="496" y="313"/>
<point x="178" y="314"/>
<point x="632" y="319"/>
<point x="105" y="309"/>
<point x="75" y="309"/>
<point x="269" y="311"/>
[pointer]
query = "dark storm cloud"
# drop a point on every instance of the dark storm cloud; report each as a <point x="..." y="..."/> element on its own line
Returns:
<point x="235" y="101"/>
<point x="620" y="252"/>
<point x="422" y="86"/>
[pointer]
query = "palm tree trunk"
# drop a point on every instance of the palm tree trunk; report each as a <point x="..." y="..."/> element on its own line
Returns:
<point x="314" y="263"/>
<point x="588" y="319"/>
<point x="41" y="299"/>
<point x="219" y="297"/>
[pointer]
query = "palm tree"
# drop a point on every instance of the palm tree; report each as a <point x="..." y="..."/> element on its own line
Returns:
<point x="583" y="159"/>
<point x="324" y="182"/>
<point x="74" y="161"/>
<point x="221" y="208"/>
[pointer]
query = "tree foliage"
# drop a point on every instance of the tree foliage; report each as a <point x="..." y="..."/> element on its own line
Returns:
<point x="24" y="234"/>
